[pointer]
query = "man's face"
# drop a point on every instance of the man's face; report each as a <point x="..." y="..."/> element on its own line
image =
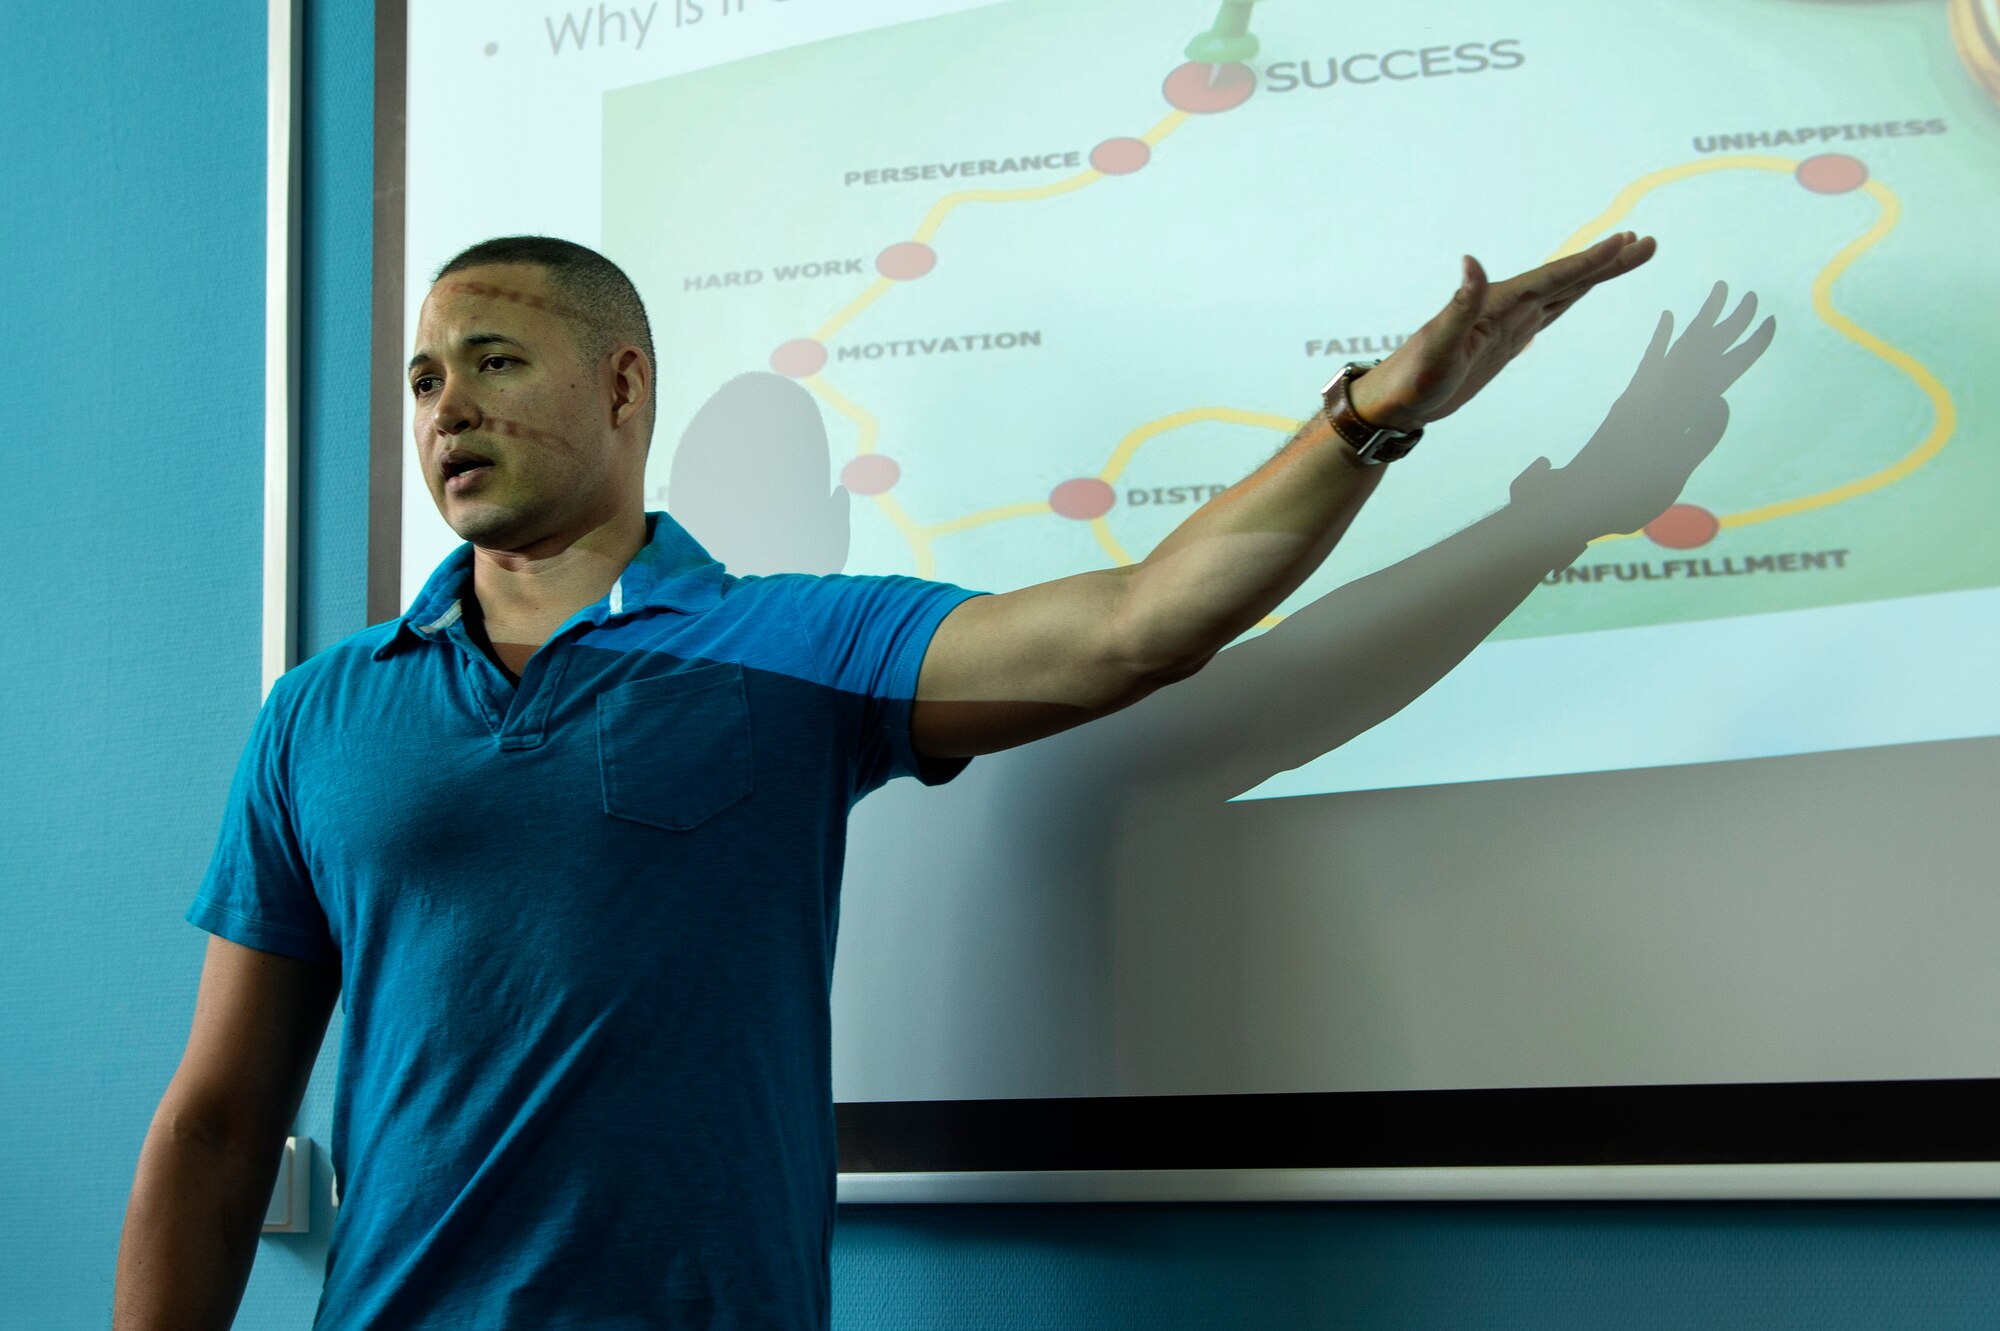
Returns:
<point x="499" y="380"/>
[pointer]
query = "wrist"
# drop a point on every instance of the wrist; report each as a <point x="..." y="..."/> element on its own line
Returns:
<point x="1319" y="431"/>
<point x="1373" y="441"/>
<point x="1375" y="404"/>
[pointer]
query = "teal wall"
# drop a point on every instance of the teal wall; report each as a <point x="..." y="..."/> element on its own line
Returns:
<point x="131" y="336"/>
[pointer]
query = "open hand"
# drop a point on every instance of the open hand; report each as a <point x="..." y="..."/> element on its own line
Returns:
<point x="1668" y="418"/>
<point x="1480" y="329"/>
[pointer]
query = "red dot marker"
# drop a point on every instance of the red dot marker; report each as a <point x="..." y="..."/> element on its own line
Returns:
<point x="1207" y="89"/>
<point x="906" y="261"/>
<point x="799" y="358"/>
<point x="870" y="474"/>
<point x="1084" y="498"/>
<point x="1683" y="527"/>
<point x="1832" y="173"/>
<point x="1120" y="157"/>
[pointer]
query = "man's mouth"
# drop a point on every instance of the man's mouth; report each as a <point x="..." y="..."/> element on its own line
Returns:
<point x="462" y="468"/>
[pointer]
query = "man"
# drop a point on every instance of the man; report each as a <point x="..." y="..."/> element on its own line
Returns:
<point x="567" y="835"/>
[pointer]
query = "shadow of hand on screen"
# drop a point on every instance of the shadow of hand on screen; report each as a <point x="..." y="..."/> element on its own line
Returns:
<point x="1364" y="651"/>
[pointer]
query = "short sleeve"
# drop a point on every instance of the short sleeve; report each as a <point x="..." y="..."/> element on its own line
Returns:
<point x="258" y="891"/>
<point x="869" y="635"/>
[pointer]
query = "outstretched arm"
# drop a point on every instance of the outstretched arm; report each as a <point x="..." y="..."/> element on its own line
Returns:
<point x="1264" y="706"/>
<point x="1004" y="670"/>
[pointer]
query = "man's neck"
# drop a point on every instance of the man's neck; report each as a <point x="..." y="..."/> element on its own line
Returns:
<point x="535" y="590"/>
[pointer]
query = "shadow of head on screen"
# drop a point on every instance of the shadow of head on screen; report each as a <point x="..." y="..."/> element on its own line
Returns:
<point x="750" y="480"/>
<point x="997" y="913"/>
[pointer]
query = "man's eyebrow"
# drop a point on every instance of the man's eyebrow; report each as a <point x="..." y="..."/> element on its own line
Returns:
<point x="470" y="340"/>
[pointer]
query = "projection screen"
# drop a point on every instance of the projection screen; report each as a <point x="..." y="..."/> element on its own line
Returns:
<point x="1536" y="846"/>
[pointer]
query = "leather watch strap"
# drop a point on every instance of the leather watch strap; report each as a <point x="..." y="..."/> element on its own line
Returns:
<point x="1346" y="421"/>
<point x="1372" y="444"/>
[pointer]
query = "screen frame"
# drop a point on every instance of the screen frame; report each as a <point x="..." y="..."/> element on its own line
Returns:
<point x="1748" y="1141"/>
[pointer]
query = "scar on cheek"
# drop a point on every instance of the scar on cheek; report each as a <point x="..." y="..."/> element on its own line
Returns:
<point x="516" y="430"/>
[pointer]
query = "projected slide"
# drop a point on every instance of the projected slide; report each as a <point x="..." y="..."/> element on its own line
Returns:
<point x="1057" y="274"/>
<point x="996" y="293"/>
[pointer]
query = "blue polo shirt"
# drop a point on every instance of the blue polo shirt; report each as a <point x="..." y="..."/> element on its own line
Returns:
<point x="585" y="928"/>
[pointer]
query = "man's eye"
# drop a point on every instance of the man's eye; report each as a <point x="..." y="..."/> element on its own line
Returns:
<point x="487" y="360"/>
<point x="417" y="385"/>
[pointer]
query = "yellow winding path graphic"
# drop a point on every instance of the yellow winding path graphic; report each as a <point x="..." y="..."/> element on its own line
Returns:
<point x="921" y="535"/>
<point x="1944" y="411"/>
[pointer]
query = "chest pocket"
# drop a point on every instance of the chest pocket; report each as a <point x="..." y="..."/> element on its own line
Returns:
<point x="674" y="750"/>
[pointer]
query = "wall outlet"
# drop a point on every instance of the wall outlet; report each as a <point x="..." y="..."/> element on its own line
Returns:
<point x="291" y="1200"/>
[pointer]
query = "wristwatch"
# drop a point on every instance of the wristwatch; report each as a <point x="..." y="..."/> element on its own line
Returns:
<point x="1373" y="444"/>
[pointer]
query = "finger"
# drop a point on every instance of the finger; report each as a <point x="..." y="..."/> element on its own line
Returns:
<point x="1705" y="317"/>
<point x="1739" y="319"/>
<point x="1455" y="320"/>
<point x="1537" y="285"/>
<point x="1663" y="333"/>
<point x="1631" y="256"/>
<point x="1550" y="313"/>
<point x="1522" y="486"/>
<point x="1577" y="272"/>
<point x="1577" y="269"/>
<point x="1735" y="362"/>
<point x="1634" y="254"/>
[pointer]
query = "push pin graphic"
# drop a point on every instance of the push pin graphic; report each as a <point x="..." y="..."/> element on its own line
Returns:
<point x="1217" y="74"/>
<point x="1230" y="41"/>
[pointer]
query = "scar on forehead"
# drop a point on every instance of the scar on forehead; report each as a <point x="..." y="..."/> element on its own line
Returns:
<point x="509" y="294"/>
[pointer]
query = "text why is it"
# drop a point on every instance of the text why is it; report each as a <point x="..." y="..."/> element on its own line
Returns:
<point x="595" y="27"/>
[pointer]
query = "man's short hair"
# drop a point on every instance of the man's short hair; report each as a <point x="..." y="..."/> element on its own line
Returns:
<point x="604" y="305"/>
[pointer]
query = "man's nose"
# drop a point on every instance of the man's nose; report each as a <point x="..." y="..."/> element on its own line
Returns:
<point x="456" y="410"/>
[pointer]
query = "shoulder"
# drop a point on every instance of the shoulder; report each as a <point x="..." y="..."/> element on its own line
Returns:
<point x="891" y="605"/>
<point x="331" y="667"/>
<point x="844" y="592"/>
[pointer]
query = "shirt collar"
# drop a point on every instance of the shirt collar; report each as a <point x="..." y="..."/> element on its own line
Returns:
<point x="670" y="572"/>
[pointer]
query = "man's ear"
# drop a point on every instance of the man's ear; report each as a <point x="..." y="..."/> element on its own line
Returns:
<point x="631" y="384"/>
